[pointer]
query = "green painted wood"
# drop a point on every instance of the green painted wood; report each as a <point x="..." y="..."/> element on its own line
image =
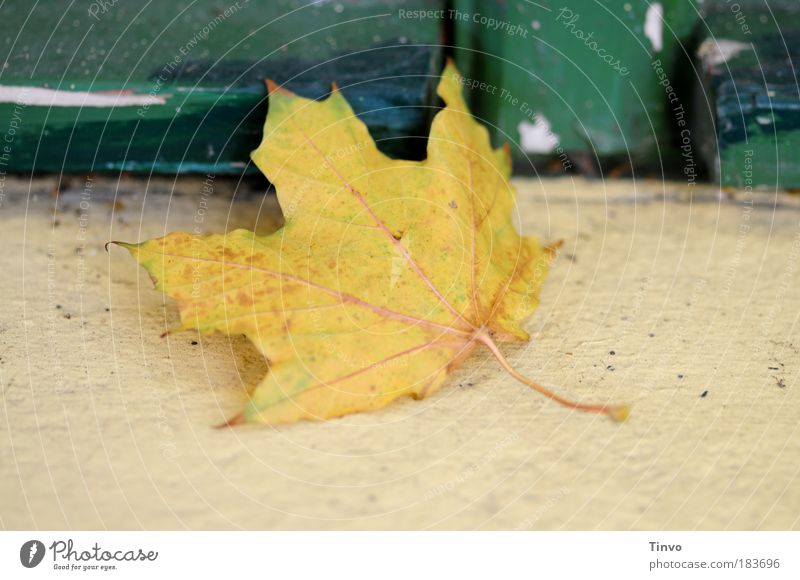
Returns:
<point x="206" y="60"/>
<point x="748" y="102"/>
<point x="575" y="76"/>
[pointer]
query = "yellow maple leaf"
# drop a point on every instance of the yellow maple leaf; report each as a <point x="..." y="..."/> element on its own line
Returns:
<point x="386" y="274"/>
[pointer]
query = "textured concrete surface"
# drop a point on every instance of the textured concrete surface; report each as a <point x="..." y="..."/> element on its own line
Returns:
<point x="686" y="307"/>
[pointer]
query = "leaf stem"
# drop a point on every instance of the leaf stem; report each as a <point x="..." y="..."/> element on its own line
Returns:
<point x="616" y="412"/>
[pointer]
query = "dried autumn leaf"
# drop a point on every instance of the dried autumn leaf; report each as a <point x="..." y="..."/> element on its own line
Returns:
<point x="386" y="274"/>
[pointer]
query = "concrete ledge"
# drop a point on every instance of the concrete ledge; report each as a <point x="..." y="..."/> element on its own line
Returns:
<point x="686" y="307"/>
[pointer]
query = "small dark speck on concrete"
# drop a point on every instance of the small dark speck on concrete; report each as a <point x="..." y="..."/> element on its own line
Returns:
<point x="773" y="368"/>
<point x="610" y="368"/>
<point x="651" y="335"/>
<point x="108" y="310"/>
<point x="703" y="396"/>
<point x="58" y="306"/>
<point x="68" y="316"/>
<point x="194" y="343"/>
<point x="466" y="384"/>
<point x="612" y="352"/>
<point x="681" y="375"/>
<point x="453" y="204"/>
<point x="781" y="383"/>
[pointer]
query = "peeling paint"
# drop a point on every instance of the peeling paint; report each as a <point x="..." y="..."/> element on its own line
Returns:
<point x="40" y="97"/>
<point x="718" y="51"/>
<point x="537" y="137"/>
<point x="654" y="25"/>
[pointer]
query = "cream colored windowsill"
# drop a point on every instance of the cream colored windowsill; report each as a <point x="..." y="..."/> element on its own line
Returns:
<point x="106" y="425"/>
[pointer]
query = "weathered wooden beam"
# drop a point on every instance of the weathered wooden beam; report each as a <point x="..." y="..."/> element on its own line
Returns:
<point x="178" y="86"/>
<point x="748" y="99"/>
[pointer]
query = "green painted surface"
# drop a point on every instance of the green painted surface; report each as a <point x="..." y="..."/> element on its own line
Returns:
<point x="581" y="67"/>
<point x="207" y="60"/>
<point x="752" y="128"/>
<point x="556" y="80"/>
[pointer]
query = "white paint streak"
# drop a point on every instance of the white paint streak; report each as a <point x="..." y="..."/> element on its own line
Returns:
<point x="717" y="51"/>
<point x="39" y="97"/>
<point x="654" y="25"/>
<point x="537" y="137"/>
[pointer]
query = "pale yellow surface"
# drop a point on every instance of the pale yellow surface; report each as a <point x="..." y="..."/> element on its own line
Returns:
<point x="105" y="425"/>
